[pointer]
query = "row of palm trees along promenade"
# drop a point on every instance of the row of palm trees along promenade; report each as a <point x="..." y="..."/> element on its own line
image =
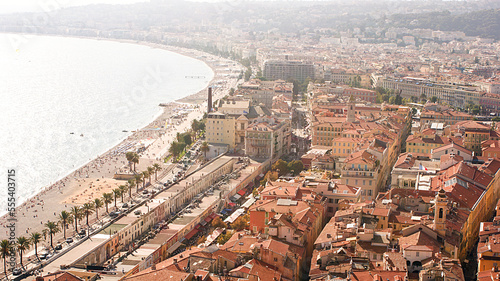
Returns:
<point x="138" y="180"/>
<point x="76" y="214"/>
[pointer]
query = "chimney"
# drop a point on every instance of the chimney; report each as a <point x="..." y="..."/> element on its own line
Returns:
<point x="175" y="261"/>
<point x="209" y="105"/>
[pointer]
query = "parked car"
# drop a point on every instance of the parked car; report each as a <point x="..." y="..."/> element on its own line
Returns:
<point x="17" y="271"/>
<point x="114" y="214"/>
<point x="58" y="247"/>
<point x="69" y="240"/>
<point x="43" y="256"/>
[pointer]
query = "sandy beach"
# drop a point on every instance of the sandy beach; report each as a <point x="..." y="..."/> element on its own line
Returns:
<point x="96" y="177"/>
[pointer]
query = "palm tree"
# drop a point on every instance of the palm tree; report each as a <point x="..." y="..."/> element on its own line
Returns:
<point x="64" y="219"/>
<point x="123" y="190"/>
<point x="145" y="174"/>
<point x="151" y="170"/>
<point x="205" y="148"/>
<point x="116" y="193"/>
<point x="51" y="229"/>
<point x="35" y="239"/>
<point x="135" y="159"/>
<point x="157" y="168"/>
<point x="97" y="204"/>
<point x="87" y="209"/>
<point x="138" y="179"/>
<point x="23" y="244"/>
<point x="107" y="198"/>
<point x="77" y="214"/>
<point x="6" y="250"/>
<point x="131" y="183"/>
<point x="132" y="158"/>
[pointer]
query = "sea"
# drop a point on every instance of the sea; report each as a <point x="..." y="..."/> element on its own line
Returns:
<point x="65" y="101"/>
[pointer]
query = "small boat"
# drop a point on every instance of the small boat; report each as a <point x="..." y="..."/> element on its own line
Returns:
<point x="81" y="135"/>
<point x="124" y="131"/>
<point x="72" y="133"/>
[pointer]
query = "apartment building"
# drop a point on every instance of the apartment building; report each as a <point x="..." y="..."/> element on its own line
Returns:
<point x="288" y="69"/>
<point x="268" y="138"/>
<point x="451" y="93"/>
<point x="220" y="129"/>
<point x="360" y="170"/>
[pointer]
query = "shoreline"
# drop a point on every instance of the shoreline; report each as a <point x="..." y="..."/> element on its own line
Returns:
<point x="62" y="188"/>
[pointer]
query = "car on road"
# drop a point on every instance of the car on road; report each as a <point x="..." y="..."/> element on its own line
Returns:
<point x="58" y="247"/>
<point x="114" y="214"/>
<point x="69" y="240"/>
<point x="43" y="256"/>
<point x="17" y="271"/>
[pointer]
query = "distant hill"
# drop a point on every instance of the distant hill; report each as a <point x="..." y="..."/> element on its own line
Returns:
<point x="484" y="23"/>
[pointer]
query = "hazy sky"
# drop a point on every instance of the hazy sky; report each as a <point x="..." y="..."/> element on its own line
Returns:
<point x="44" y="5"/>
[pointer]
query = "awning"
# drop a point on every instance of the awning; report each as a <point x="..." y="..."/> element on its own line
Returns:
<point x="231" y="204"/>
<point x="191" y="234"/>
<point x="203" y="222"/>
<point x="249" y="203"/>
<point x="174" y="247"/>
<point x="251" y="185"/>
<point x="207" y="219"/>
<point x="234" y="216"/>
<point x="241" y="192"/>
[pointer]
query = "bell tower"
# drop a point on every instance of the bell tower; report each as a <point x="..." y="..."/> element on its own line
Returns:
<point x="440" y="208"/>
<point x="351" y="110"/>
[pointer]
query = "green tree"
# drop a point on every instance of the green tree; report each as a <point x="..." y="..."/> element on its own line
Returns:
<point x="87" y="209"/>
<point x="156" y="168"/>
<point x="6" y="249"/>
<point x="138" y="179"/>
<point x="145" y="175"/>
<point x="240" y="223"/>
<point x="130" y="184"/>
<point x="248" y="74"/>
<point x="218" y="222"/>
<point x="123" y="191"/>
<point x="77" y="214"/>
<point x="116" y="194"/>
<point x="51" y="229"/>
<point x="132" y="157"/>
<point x="64" y="220"/>
<point x="296" y="166"/>
<point x="176" y="148"/>
<point x="107" y="198"/>
<point x="97" y="204"/>
<point x="186" y="138"/>
<point x="22" y="244"/>
<point x="433" y="99"/>
<point x="281" y="167"/>
<point x="205" y="148"/>
<point x="151" y="170"/>
<point x="223" y="238"/>
<point x="35" y="239"/>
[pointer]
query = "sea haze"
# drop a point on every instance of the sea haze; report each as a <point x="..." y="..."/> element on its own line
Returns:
<point x="53" y="86"/>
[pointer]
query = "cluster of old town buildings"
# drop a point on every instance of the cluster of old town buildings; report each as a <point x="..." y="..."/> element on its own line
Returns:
<point x="388" y="192"/>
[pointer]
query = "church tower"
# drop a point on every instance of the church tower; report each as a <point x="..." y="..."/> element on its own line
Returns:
<point x="351" y="110"/>
<point x="440" y="208"/>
